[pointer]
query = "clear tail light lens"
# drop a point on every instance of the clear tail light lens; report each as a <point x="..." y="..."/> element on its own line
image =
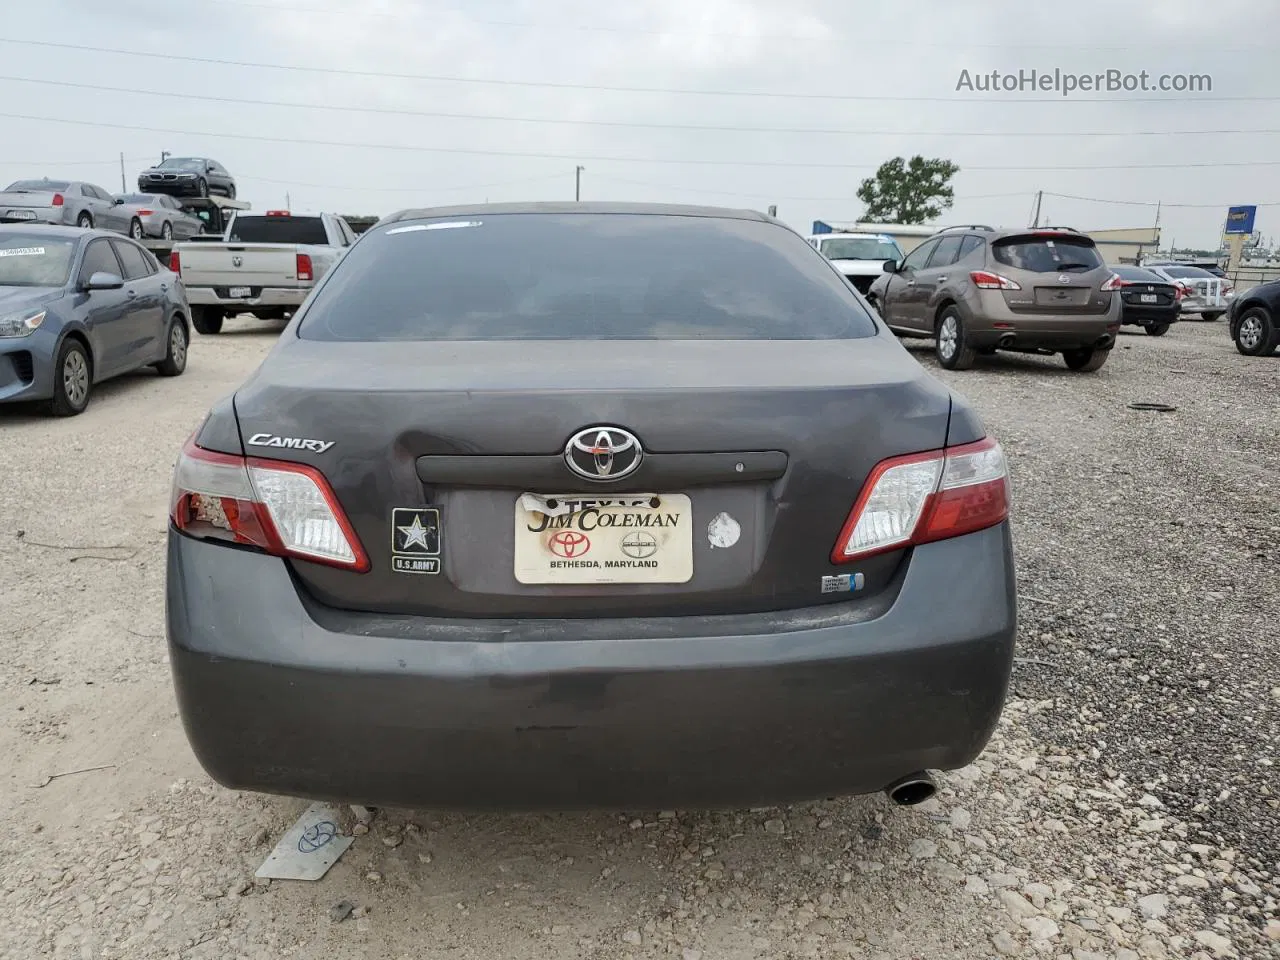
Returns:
<point x="1113" y="284"/>
<point x="285" y="509"/>
<point x="926" y="497"/>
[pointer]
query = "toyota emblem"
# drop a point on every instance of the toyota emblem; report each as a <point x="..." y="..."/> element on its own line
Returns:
<point x="603" y="453"/>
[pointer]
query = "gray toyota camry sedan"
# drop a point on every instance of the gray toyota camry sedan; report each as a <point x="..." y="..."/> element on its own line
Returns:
<point x="588" y="505"/>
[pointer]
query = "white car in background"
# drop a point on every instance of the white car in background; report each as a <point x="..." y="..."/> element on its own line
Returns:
<point x="859" y="256"/>
<point x="1204" y="294"/>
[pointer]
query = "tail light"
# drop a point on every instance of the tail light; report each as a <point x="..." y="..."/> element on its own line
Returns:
<point x="925" y="497"/>
<point x="145" y="213"/>
<point x="304" y="267"/>
<point x="175" y="262"/>
<point x="1183" y="291"/>
<point x="58" y="200"/>
<point x="985" y="280"/>
<point x="1113" y="284"/>
<point x="1226" y="287"/>
<point x="277" y="213"/>
<point x="284" y="509"/>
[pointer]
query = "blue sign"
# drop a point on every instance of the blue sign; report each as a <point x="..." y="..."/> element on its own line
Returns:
<point x="820" y="227"/>
<point x="1240" y="219"/>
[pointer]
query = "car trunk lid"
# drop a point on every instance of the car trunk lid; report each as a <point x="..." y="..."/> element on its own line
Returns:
<point x="1056" y="272"/>
<point x="753" y="454"/>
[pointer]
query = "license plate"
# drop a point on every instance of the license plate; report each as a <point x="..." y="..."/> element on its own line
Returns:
<point x="240" y="291"/>
<point x="1149" y="298"/>
<point x="21" y="215"/>
<point x="574" y="539"/>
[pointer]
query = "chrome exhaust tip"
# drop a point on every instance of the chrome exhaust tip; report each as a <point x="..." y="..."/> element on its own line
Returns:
<point x="913" y="789"/>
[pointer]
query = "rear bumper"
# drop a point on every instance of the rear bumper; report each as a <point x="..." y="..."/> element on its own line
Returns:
<point x="996" y="322"/>
<point x="1148" y="316"/>
<point x="284" y="297"/>
<point x="773" y="708"/>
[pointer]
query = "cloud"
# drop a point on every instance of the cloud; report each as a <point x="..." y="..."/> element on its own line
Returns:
<point x="828" y="47"/>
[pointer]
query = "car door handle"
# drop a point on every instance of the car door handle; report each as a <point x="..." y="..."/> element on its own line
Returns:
<point x="131" y="294"/>
<point x="942" y="279"/>
<point x="911" y="283"/>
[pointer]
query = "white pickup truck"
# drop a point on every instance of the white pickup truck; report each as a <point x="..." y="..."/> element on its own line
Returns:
<point x="264" y="264"/>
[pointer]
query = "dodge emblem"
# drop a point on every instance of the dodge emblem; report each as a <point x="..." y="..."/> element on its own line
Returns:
<point x="603" y="453"/>
<point x="237" y="261"/>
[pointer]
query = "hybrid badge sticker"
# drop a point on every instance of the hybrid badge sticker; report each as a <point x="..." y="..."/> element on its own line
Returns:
<point x="843" y="583"/>
<point x="415" y="540"/>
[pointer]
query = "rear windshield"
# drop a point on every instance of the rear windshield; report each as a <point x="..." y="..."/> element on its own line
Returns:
<point x="1137" y="273"/>
<point x="140" y="198"/>
<point x="30" y="186"/>
<point x="544" y="276"/>
<point x="861" y="248"/>
<point x="278" y="230"/>
<point x="1044" y="255"/>
<point x="1187" y="272"/>
<point x="34" y="260"/>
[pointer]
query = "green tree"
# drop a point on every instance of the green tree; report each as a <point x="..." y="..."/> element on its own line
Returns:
<point x="908" y="191"/>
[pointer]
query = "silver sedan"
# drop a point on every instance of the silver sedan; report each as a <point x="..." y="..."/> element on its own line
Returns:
<point x="158" y="215"/>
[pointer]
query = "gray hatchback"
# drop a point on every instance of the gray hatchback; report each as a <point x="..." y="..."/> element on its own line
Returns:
<point x="977" y="290"/>
<point x="659" y="515"/>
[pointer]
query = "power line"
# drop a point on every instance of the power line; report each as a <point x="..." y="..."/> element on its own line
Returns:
<point x="419" y="189"/>
<point x="640" y="125"/>
<point x="1154" y="203"/>
<point x="759" y="194"/>
<point x="634" y="30"/>
<point x="602" y="88"/>
<point x="72" y="163"/>
<point x="615" y="159"/>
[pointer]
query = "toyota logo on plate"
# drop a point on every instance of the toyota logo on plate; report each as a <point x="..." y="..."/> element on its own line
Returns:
<point x="603" y="453"/>
<point x="569" y="544"/>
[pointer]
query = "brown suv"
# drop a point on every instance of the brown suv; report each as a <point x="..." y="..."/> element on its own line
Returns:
<point x="977" y="290"/>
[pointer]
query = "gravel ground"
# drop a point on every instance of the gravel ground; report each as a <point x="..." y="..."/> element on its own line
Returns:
<point x="1128" y="807"/>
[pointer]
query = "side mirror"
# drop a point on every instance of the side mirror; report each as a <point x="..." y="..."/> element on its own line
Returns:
<point x="891" y="266"/>
<point x="102" y="280"/>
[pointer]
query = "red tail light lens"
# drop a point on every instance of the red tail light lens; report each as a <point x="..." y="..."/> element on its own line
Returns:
<point x="145" y="213"/>
<point x="58" y="200"/>
<point x="304" y="267"/>
<point x="175" y="262"/>
<point x="925" y="497"/>
<point x="281" y="508"/>
<point x="1113" y="284"/>
<point x="985" y="280"/>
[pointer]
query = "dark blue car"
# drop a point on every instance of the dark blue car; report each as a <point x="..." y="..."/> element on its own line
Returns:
<point x="81" y="306"/>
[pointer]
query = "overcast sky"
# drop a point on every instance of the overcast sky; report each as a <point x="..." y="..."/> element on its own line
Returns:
<point x="848" y="67"/>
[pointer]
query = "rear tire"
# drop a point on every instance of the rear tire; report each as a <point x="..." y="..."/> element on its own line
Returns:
<point x="1085" y="360"/>
<point x="207" y="320"/>
<point x="1157" y="329"/>
<point x="1256" y="334"/>
<point x="231" y="192"/>
<point x="85" y="221"/>
<point x="72" y="380"/>
<point x="175" y="358"/>
<point x="135" y="229"/>
<point x="951" y="345"/>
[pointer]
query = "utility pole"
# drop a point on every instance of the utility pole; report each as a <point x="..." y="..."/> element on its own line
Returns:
<point x="1039" y="198"/>
<point x="286" y="201"/>
<point x="577" y="183"/>
<point x="124" y="187"/>
<point x="165" y="155"/>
